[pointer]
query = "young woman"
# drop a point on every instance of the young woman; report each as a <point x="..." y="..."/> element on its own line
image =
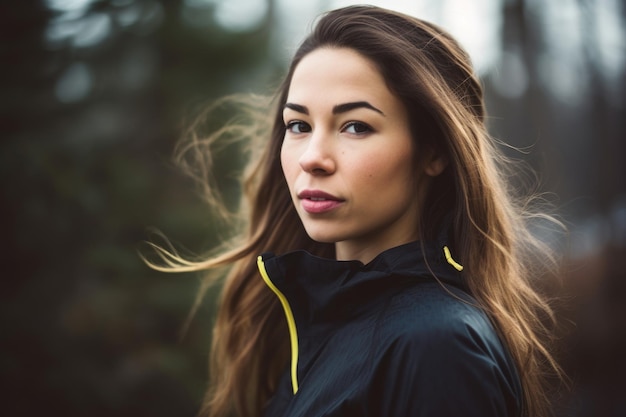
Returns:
<point x="385" y="271"/>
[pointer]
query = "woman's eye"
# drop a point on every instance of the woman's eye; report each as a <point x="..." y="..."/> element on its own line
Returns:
<point x="298" y="126"/>
<point x="356" y="128"/>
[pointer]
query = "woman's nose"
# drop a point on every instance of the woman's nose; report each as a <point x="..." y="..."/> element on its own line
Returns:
<point x="317" y="158"/>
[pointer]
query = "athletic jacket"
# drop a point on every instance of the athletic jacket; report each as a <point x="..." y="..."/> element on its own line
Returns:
<point x="395" y="337"/>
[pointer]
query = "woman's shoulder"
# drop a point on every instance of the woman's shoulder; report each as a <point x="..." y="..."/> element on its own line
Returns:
<point x="438" y="345"/>
<point x="430" y="315"/>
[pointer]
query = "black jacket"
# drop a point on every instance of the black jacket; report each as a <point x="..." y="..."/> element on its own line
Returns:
<point x="387" y="339"/>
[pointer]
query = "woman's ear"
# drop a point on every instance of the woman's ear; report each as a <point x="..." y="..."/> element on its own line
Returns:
<point x="435" y="164"/>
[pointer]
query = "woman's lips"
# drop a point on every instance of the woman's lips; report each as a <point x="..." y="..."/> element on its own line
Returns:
<point x="315" y="201"/>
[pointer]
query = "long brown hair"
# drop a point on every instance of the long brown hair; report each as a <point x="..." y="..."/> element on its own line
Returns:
<point x="489" y="224"/>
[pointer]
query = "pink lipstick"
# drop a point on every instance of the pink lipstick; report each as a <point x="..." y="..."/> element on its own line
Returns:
<point x="315" y="201"/>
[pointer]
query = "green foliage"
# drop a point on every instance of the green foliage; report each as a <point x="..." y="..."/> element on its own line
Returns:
<point x="88" y="329"/>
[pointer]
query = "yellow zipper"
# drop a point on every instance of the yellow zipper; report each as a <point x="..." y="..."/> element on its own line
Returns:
<point x="448" y="255"/>
<point x="291" y="322"/>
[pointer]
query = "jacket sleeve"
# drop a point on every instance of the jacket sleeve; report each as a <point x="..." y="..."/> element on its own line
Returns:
<point x="447" y="367"/>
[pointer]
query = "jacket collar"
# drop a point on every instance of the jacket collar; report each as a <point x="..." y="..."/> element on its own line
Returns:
<point x="321" y="289"/>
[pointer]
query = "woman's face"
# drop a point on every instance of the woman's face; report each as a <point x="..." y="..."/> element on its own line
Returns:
<point x="347" y="155"/>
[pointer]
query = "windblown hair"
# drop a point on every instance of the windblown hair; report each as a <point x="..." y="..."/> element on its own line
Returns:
<point x="489" y="223"/>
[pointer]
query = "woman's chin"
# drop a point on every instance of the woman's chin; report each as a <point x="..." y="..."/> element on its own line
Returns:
<point x="323" y="236"/>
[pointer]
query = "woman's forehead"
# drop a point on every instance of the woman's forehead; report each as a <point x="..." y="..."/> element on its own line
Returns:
<point x="338" y="75"/>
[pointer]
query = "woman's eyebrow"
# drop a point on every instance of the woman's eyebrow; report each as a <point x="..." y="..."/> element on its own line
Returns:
<point x="339" y="108"/>
<point x="297" y="107"/>
<point x="345" y="107"/>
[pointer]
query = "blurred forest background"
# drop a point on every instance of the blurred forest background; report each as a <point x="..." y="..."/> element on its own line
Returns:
<point x="96" y="93"/>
